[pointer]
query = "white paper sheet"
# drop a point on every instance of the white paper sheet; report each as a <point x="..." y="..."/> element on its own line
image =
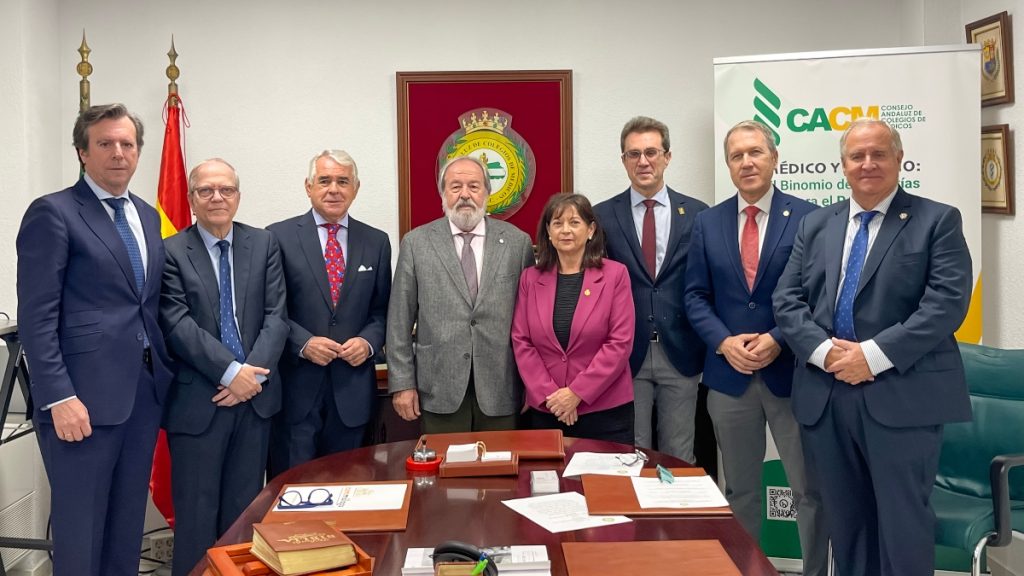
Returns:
<point x="351" y="497"/>
<point x="561" y="512"/>
<point x="602" y="463"/>
<point x="685" y="492"/>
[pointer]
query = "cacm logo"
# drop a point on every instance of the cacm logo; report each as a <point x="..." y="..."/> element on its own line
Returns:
<point x="768" y="111"/>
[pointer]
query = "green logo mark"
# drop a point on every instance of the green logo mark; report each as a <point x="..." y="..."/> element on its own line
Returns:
<point x="768" y="105"/>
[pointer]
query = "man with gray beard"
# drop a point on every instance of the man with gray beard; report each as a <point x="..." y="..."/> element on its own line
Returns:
<point x="450" y="316"/>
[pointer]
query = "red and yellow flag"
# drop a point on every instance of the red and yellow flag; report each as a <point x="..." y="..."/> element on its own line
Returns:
<point x="175" y="215"/>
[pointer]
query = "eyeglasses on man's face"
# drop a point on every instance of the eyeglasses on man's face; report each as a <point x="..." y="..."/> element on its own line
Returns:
<point x="650" y="153"/>
<point x="226" y="192"/>
<point x="292" y="499"/>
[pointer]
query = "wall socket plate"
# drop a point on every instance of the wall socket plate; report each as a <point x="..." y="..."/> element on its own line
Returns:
<point x="161" y="546"/>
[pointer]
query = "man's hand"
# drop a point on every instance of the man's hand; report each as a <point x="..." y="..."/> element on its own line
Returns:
<point x="407" y="404"/>
<point x="224" y="397"/>
<point x="851" y="367"/>
<point x="320" y="350"/>
<point x="355" y="351"/>
<point x="562" y="403"/>
<point x="765" y="348"/>
<point x="832" y="356"/>
<point x="71" y="420"/>
<point x="734" y="348"/>
<point x="244" y="386"/>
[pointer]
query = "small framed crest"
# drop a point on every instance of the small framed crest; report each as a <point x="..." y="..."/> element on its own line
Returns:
<point x="996" y="169"/>
<point x="995" y="36"/>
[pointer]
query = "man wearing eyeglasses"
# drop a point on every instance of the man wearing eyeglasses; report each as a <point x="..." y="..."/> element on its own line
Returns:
<point x="338" y="279"/>
<point x="648" y="230"/>
<point x="222" y="311"/>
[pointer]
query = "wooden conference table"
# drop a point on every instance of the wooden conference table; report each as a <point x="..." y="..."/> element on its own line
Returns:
<point x="471" y="510"/>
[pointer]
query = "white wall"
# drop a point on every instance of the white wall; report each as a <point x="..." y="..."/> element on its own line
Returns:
<point x="269" y="84"/>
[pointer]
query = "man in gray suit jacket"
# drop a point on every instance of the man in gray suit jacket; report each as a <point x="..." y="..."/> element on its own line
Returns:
<point x="222" y="311"/>
<point x="453" y="294"/>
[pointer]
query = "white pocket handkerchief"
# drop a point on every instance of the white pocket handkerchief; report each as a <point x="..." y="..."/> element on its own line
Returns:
<point x="364" y="268"/>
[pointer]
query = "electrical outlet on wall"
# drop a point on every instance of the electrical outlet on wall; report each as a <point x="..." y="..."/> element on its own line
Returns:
<point x="161" y="546"/>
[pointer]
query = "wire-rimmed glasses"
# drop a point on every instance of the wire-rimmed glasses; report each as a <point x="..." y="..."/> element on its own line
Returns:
<point x="632" y="459"/>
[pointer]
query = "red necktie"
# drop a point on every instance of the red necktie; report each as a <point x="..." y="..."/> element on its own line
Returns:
<point x="334" y="259"/>
<point x="748" y="246"/>
<point x="649" y="240"/>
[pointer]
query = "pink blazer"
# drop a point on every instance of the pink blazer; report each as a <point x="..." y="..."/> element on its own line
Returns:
<point x="596" y="363"/>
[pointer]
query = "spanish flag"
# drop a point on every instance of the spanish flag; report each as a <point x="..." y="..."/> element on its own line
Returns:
<point x="175" y="215"/>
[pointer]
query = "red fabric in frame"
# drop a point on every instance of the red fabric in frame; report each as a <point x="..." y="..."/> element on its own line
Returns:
<point x="434" y="110"/>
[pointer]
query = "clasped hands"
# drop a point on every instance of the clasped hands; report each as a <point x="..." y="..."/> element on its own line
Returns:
<point x="322" y="351"/>
<point x="562" y="403"/>
<point x="242" y="387"/>
<point x="846" y="361"/>
<point x="749" y="352"/>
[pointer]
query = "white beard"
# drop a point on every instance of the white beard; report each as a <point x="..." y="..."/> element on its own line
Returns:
<point x="465" y="221"/>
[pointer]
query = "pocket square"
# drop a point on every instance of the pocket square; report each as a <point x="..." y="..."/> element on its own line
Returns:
<point x="364" y="268"/>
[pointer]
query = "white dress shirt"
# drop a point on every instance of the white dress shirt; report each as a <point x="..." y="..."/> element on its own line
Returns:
<point x="662" y="222"/>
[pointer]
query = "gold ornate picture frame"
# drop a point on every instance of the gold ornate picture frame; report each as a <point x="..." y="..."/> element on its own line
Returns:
<point x="997" y="169"/>
<point x="995" y="36"/>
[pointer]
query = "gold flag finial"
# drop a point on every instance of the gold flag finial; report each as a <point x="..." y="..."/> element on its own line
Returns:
<point x="84" y="68"/>
<point x="172" y="74"/>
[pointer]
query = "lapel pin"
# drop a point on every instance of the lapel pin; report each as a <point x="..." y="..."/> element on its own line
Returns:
<point x="682" y="210"/>
<point x="785" y="213"/>
<point x="586" y="292"/>
<point x="903" y="215"/>
<point x="501" y="240"/>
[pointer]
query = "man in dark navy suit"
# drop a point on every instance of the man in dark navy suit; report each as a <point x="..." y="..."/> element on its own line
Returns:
<point x="222" y="311"/>
<point x="873" y="291"/>
<point x="90" y="260"/>
<point x="338" y="276"/>
<point x="648" y="230"/>
<point x="737" y="254"/>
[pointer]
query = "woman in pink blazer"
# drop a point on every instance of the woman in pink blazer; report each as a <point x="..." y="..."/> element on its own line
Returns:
<point x="572" y="331"/>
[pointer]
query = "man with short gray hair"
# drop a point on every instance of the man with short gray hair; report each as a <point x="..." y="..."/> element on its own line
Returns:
<point x="456" y="285"/>
<point x="338" y="274"/>
<point x="222" y="313"/>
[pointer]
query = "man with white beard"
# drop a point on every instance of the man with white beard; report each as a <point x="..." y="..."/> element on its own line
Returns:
<point x="450" y="316"/>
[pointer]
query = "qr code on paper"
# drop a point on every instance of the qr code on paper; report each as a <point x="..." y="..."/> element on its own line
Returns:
<point x="780" y="503"/>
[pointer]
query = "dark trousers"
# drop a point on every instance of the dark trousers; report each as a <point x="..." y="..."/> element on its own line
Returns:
<point x="214" y="477"/>
<point x="99" y="488"/>
<point x="613" y="424"/>
<point x="876" y="484"/>
<point x="468" y="418"/>
<point x="320" y="433"/>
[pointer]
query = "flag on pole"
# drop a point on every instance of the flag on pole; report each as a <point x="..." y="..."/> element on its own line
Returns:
<point x="175" y="215"/>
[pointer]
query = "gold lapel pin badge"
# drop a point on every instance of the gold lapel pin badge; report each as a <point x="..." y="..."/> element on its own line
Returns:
<point x="586" y="292"/>
<point x="682" y="210"/>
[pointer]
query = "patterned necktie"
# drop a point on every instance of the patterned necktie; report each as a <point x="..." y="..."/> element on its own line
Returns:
<point x="469" y="265"/>
<point x="334" y="259"/>
<point x="134" y="254"/>
<point x="842" y="324"/>
<point x="649" y="239"/>
<point x="749" y="246"/>
<point x="228" y="330"/>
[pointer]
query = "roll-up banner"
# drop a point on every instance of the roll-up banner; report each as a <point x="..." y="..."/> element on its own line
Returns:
<point x="931" y="95"/>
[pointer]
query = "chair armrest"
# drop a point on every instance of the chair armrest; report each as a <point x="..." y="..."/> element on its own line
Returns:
<point x="999" y="475"/>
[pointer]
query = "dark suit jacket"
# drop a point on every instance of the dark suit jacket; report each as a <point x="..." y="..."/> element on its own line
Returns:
<point x="362" y="311"/>
<point x="914" y="291"/>
<point x="658" y="301"/>
<point x="190" y="318"/>
<point x="80" y="316"/>
<point x="718" y="301"/>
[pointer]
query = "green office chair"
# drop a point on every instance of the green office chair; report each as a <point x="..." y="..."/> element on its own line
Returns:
<point x="978" y="501"/>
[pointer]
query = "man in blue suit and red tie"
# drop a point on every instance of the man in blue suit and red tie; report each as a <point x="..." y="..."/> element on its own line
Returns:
<point x="873" y="291"/>
<point x="90" y="260"/>
<point x="737" y="253"/>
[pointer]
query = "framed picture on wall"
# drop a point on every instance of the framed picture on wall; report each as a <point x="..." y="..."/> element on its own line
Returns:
<point x="996" y="38"/>
<point x="518" y="123"/>
<point x="996" y="169"/>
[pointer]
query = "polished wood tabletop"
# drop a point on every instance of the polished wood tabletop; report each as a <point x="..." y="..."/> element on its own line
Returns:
<point x="471" y="510"/>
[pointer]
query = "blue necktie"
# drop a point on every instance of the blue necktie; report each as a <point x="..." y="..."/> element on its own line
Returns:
<point x="842" y="324"/>
<point x="134" y="255"/>
<point x="228" y="330"/>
